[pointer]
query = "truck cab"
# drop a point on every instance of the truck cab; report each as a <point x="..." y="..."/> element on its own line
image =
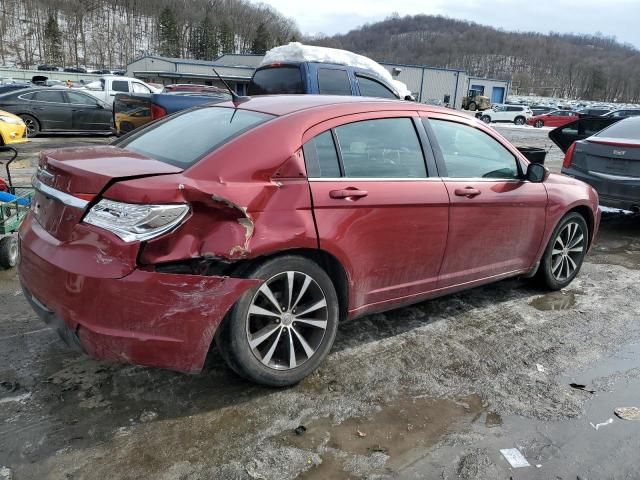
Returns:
<point x="320" y="78"/>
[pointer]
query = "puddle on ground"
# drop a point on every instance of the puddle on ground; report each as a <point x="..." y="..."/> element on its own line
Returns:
<point x="400" y="430"/>
<point x="561" y="300"/>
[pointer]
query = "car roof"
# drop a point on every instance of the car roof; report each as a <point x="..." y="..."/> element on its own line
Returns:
<point x="280" y="105"/>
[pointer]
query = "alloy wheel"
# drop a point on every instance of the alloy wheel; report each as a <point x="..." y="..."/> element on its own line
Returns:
<point x="568" y="248"/>
<point x="31" y="126"/>
<point x="287" y="320"/>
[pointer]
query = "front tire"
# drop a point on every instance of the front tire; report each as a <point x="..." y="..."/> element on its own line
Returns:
<point x="486" y="119"/>
<point x="473" y="106"/>
<point x="539" y="124"/>
<point x="565" y="252"/>
<point x="280" y="332"/>
<point x="8" y="251"/>
<point x="33" y="126"/>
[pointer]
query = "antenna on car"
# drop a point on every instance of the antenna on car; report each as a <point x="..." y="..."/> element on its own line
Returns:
<point x="235" y="98"/>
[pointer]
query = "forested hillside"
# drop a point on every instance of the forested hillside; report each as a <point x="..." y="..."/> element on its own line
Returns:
<point x="110" y="33"/>
<point x="575" y="66"/>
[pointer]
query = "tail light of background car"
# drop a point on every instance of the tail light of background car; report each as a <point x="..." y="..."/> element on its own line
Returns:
<point x="568" y="158"/>
<point x="157" y="112"/>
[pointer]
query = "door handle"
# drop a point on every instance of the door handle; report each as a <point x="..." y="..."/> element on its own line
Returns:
<point x="468" y="192"/>
<point x="348" y="193"/>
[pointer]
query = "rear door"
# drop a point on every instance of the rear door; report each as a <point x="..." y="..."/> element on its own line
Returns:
<point x="496" y="218"/>
<point x="86" y="113"/>
<point x="376" y="208"/>
<point x="51" y="109"/>
<point x="370" y="87"/>
<point x="331" y="80"/>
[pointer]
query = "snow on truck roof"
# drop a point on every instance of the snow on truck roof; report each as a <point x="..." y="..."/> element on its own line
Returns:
<point x="297" y="52"/>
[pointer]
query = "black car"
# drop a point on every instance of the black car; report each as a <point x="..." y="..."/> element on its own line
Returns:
<point x="12" y="87"/>
<point x="59" y="110"/>
<point x="593" y="112"/>
<point x="48" y="68"/>
<point x="608" y="159"/>
<point x="624" y="113"/>
<point x="75" y="70"/>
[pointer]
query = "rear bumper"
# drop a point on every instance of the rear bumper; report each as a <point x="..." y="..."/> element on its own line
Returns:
<point x="613" y="193"/>
<point x="145" y="318"/>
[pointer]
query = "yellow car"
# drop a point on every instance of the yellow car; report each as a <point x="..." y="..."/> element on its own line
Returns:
<point x="12" y="129"/>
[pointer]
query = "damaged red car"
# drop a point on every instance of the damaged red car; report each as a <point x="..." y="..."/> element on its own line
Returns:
<point x="258" y="227"/>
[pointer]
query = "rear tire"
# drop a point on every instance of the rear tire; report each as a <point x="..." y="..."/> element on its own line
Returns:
<point x="8" y="251"/>
<point x="264" y="340"/>
<point x="33" y="126"/>
<point x="539" y="124"/>
<point x="519" y="121"/>
<point x="486" y="119"/>
<point x="565" y="252"/>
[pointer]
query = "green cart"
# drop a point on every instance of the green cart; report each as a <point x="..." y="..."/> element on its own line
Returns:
<point x="14" y="206"/>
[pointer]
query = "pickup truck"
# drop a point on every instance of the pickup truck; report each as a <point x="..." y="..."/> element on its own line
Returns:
<point x="132" y="110"/>
<point x="108" y="86"/>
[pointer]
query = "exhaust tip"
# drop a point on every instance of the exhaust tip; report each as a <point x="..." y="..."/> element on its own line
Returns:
<point x="635" y="208"/>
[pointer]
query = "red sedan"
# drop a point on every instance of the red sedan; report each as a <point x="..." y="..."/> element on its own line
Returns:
<point x="262" y="225"/>
<point x="558" y="118"/>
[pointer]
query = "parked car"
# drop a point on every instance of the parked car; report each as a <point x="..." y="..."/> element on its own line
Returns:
<point x="609" y="159"/>
<point x="132" y="110"/>
<point x="624" y="113"/>
<point x="593" y="112"/>
<point x="58" y="110"/>
<point x="107" y="87"/>
<point x="12" y="129"/>
<point x="319" y="78"/>
<point x="557" y="118"/>
<point x="75" y="70"/>
<point x="540" y="110"/>
<point x="48" y="68"/>
<point x="12" y="87"/>
<point x="517" y="114"/>
<point x="267" y="222"/>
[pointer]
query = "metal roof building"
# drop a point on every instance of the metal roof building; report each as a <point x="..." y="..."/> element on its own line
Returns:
<point x="428" y="84"/>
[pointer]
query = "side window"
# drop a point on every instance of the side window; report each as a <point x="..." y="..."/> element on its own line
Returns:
<point x="120" y="86"/>
<point x="383" y="148"/>
<point x="471" y="153"/>
<point x="139" y="88"/>
<point x="333" y="82"/>
<point x="320" y="157"/>
<point x="514" y="109"/>
<point x="373" y="88"/>
<point x="52" y="96"/>
<point x="80" y="99"/>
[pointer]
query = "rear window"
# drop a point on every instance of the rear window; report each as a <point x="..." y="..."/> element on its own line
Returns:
<point x="276" y="80"/>
<point x="183" y="139"/>
<point x="623" y="129"/>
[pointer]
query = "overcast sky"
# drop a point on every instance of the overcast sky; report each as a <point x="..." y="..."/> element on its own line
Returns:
<point x="611" y="17"/>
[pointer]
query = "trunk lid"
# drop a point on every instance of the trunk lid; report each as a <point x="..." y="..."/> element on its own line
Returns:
<point x="69" y="178"/>
<point x="580" y="129"/>
<point x="610" y="157"/>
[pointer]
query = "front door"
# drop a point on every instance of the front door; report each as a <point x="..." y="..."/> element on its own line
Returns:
<point x="497" y="218"/>
<point x="376" y="208"/>
<point x="87" y="114"/>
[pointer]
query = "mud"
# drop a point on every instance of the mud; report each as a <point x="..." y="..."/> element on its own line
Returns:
<point x="435" y="390"/>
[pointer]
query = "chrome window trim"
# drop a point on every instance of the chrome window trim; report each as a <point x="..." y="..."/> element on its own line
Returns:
<point x="375" y="179"/>
<point x="63" y="197"/>
<point x="608" y="176"/>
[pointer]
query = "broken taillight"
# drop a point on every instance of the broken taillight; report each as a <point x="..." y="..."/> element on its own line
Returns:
<point x="568" y="158"/>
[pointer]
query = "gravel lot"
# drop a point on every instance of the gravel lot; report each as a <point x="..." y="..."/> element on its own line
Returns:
<point x="430" y="391"/>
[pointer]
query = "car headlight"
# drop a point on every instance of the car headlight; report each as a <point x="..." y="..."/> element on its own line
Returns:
<point x="11" y="120"/>
<point x="136" y="222"/>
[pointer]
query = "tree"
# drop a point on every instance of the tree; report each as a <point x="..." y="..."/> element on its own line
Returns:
<point x="53" y="41"/>
<point x="261" y="42"/>
<point x="168" y="38"/>
<point x="227" y="38"/>
<point x="203" y="40"/>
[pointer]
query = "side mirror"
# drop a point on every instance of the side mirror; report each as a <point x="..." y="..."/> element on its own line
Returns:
<point x="536" y="173"/>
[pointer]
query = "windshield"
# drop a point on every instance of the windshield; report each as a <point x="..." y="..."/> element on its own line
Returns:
<point x="276" y="80"/>
<point x="183" y="139"/>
